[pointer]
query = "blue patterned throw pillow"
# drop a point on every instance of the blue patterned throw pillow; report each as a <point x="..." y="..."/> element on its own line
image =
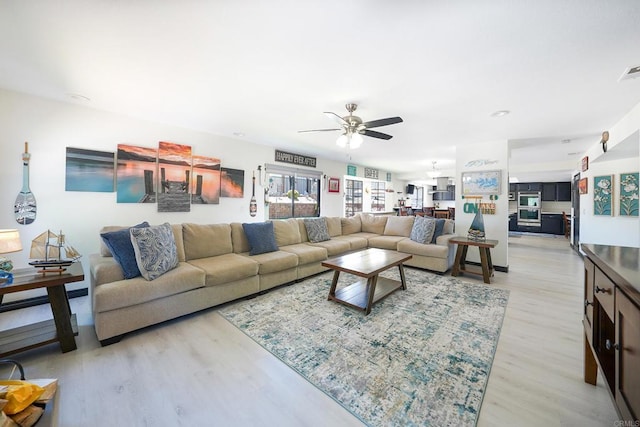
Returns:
<point x="317" y="229"/>
<point x="422" y="230"/>
<point x="155" y="249"/>
<point x="439" y="229"/>
<point x="119" y="244"/>
<point x="261" y="237"/>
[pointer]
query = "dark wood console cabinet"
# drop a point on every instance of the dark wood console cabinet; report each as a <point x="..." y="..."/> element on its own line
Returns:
<point x="612" y="323"/>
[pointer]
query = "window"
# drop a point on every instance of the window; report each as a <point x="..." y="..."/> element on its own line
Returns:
<point x="352" y="197"/>
<point x="292" y="193"/>
<point x="417" y="198"/>
<point x="378" y="196"/>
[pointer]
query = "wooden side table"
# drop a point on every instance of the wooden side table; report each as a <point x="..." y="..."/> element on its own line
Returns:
<point x="460" y="264"/>
<point x="62" y="328"/>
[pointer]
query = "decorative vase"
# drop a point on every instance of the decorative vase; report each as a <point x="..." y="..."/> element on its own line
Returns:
<point x="476" y="231"/>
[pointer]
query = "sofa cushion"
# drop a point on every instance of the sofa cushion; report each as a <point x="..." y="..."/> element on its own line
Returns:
<point x="273" y="262"/>
<point x="317" y="230"/>
<point x="287" y="231"/>
<point x="399" y="226"/>
<point x="227" y="268"/>
<point x="261" y="237"/>
<point x="334" y="225"/>
<point x="351" y="225"/>
<point x="422" y="230"/>
<point x="306" y="253"/>
<point x="408" y="246"/>
<point x="334" y="246"/>
<point x="385" y="242"/>
<point x="206" y="240"/>
<point x="373" y="223"/>
<point x="118" y="243"/>
<point x="355" y="242"/>
<point x="155" y="249"/>
<point x="125" y="293"/>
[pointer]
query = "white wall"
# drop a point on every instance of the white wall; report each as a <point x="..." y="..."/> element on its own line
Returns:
<point x="478" y="157"/>
<point x="614" y="230"/>
<point x="51" y="126"/>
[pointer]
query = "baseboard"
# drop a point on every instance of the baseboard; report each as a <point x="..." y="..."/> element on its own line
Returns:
<point x="44" y="299"/>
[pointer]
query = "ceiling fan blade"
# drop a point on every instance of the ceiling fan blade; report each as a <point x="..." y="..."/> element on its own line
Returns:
<point x="374" y="134"/>
<point x="335" y="117"/>
<point x="383" y="122"/>
<point x="317" y="130"/>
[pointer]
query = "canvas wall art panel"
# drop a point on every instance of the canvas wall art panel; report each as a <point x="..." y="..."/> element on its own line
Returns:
<point x="89" y="170"/>
<point x="231" y="183"/>
<point x="206" y="180"/>
<point x="603" y="195"/>
<point x="135" y="174"/>
<point x="629" y="194"/>
<point x="174" y="177"/>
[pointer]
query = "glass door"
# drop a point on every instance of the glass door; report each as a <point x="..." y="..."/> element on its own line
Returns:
<point x="292" y="193"/>
<point x="352" y="197"/>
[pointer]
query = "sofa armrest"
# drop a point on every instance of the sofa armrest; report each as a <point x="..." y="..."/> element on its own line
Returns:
<point x="443" y="240"/>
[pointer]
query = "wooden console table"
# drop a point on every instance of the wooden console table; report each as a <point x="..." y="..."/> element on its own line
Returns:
<point x="612" y="324"/>
<point x="484" y="246"/>
<point x="62" y="328"/>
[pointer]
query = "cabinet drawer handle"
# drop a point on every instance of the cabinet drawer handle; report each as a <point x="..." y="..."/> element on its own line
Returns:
<point x="587" y="303"/>
<point x="603" y="290"/>
<point x="608" y="345"/>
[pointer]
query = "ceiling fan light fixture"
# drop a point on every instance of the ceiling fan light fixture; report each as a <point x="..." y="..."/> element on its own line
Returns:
<point x="342" y="140"/>
<point x="356" y="140"/>
<point x="434" y="173"/>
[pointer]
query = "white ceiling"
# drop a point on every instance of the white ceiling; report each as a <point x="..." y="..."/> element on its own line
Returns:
<point x="267" y="69"/>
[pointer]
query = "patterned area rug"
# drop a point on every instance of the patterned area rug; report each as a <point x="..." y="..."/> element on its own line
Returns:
<point x="422" y="357"/>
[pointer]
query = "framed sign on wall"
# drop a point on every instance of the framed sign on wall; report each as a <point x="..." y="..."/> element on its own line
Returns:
<point x="334" y="185"/>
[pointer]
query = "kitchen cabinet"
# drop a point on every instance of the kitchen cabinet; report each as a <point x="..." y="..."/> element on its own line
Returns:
<point x="513" y="222"/>
<point x="450" y="194"/>
<point x="563" y="191"/>
<point x="513" y="187"/>
<point x="556" y="191"/>
<point x="552" y="224"/>
<point x="529" y="186"/>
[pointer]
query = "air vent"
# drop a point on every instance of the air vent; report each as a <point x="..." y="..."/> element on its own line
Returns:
<point x="630" y="73"/>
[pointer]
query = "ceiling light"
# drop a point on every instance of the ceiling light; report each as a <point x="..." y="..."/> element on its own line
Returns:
<point x="500" y="113"/>
<point x="565" y="141"/>
<point x="238" y="134"/>
<point x="434" y="173"/>
<point x="351" y="140"/>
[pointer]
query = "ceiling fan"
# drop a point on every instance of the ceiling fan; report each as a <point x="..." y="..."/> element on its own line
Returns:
<point x="353" y="127"/>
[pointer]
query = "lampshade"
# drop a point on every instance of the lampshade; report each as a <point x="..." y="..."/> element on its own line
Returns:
<point x="351" y="140"/>
<point x="10" y="241"/>
<point x="356" y="140"/>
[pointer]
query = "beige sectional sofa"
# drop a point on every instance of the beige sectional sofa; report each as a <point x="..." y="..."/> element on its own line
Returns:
<point x="214" y="267"/>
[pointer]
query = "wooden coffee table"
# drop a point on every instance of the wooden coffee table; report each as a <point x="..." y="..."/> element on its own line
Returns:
<point x="367" y="264"/>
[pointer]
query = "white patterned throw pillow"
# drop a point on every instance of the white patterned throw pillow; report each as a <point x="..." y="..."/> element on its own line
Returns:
<point x="317" y="229"/>
<point x="155" y="249"/>
<point x="423" y="229"/>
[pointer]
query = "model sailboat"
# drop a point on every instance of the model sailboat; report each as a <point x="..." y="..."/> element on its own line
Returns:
<point x="47" y="249"/>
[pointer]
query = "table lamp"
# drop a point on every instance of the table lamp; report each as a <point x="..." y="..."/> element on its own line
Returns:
<point x="9" y="242"/>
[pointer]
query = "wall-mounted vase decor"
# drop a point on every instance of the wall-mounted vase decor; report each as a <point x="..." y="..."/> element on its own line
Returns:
<point x="135" y="171"/>
<point x="629" y="194"/>
<point x="603" y="195"/>
<point x="89" y="170"/>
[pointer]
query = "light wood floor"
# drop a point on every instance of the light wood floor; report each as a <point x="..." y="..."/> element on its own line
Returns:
<point x="201" y="371"/>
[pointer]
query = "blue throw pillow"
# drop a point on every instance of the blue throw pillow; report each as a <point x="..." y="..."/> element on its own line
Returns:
<point x="438" y="230"/>
<point x="155" y="249"/>
<point x="261" y="237"/>
<point x="119" y="243"/>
